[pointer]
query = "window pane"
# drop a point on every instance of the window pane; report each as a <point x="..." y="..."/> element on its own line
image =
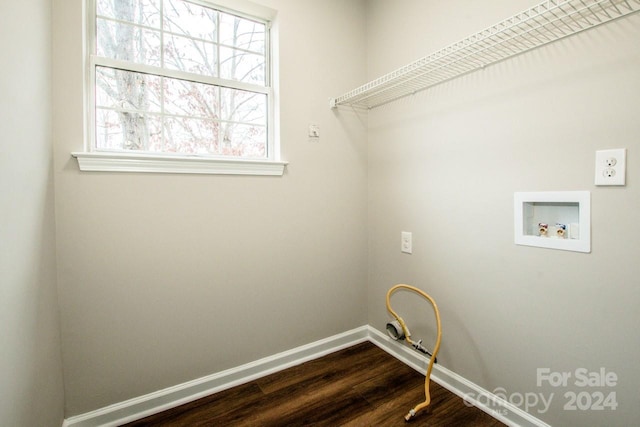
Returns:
<point x="128" y="43"/>
<point x="121" y="130"/>
<point x="242" y="66"/>
<point x="193" y="56"/>
<point x="190" y="136"/>
<point x="186" y="98"/>
<point x="143" y="12"/>
<point x="108" y="130"/>
<point x="242" y="33"/>
<point x="190" y="20"/>
<point x="159" y="108"/>
<point x="127" y="90"/>
<point x="243" y="106"/>
<point x="242" y="140"/>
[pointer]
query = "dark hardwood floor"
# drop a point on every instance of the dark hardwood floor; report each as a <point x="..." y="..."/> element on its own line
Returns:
<point x="359" y="386"/>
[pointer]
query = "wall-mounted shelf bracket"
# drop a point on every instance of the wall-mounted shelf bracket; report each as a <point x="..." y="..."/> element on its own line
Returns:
<point x="544" y="23"/>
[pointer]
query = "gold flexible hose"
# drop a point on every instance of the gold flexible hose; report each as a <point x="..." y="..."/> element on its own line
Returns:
<point x="427" y="400"/>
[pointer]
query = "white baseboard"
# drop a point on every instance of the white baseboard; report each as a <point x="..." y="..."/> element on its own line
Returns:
<point x="472" y="393"/>
<point x="153" y="403"/>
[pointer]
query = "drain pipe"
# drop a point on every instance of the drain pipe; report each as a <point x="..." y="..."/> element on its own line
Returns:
<point x="398" y="330"/>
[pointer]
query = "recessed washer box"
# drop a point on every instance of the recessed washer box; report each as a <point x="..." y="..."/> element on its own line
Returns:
<point x="553" y="220"/>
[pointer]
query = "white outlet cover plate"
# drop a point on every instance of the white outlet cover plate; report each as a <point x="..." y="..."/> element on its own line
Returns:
<point x="614" y="174"/>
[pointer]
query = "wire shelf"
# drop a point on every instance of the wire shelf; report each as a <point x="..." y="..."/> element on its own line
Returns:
<point x="544" y="23"/>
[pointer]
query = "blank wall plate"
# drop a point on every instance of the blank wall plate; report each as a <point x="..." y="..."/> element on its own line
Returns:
<point x="611" y="167"/>
<point x="406" y="242"/>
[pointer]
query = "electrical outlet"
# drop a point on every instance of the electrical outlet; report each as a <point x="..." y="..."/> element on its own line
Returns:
<point x="611" y="167"/>
<point x="406" y="244"/>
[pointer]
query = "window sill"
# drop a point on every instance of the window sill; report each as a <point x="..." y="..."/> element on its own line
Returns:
<point x="125" y="162"/>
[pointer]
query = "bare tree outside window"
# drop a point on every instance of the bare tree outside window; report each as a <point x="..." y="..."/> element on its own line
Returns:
<point x="179" y="78"/>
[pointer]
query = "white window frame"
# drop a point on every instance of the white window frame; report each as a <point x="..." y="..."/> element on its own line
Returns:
<point x="93" y="160"/>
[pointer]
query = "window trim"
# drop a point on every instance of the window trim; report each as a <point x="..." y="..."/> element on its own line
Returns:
<point x="101" y="161"/>
<point x="92" y="160"/>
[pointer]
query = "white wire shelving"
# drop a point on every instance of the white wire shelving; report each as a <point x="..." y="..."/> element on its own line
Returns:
<point x="544" y="23"/>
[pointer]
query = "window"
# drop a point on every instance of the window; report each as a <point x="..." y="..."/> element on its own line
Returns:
<point x="182" y="83"/>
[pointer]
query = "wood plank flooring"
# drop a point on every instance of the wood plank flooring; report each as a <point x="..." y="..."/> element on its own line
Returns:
<point x="359" y="386"/>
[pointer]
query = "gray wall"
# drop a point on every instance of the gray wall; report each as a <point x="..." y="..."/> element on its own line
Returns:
<point x="168" y="278"/>
<point x="444" y="164"/>
<point x="30" y="364"/>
